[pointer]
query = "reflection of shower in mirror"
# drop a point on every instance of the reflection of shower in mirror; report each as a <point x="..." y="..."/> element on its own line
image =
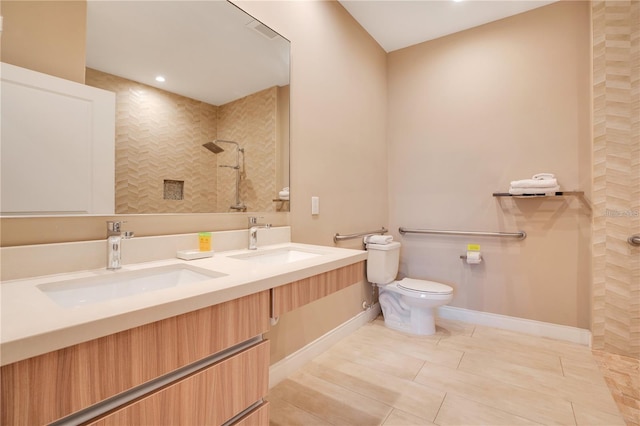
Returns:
<point x="217" y="149"/>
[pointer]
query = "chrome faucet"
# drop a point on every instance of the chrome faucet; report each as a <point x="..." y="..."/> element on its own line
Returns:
<point x="114" y="241"/>
<point x="253" y="231"/>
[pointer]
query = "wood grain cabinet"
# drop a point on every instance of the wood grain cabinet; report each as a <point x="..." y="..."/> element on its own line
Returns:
<point x="298" y="293"/>
<point x="209" y="397"/>
<point x="205" y="367"/>
<point x="47" y="387"/>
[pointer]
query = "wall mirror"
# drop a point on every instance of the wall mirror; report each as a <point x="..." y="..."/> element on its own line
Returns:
<point x="202" y="105"/>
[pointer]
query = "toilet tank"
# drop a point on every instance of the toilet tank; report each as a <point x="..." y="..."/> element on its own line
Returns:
<point x="382" y="262"/>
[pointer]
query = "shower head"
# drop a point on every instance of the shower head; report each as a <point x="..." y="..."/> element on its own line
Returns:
<point x="217" y="149"/>
<point x="213" y="147"/>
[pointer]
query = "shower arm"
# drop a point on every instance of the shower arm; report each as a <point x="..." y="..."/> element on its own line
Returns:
<point x="238" y="204"/>
<point x="216" y="149"/>
<point x="238" y="151"/>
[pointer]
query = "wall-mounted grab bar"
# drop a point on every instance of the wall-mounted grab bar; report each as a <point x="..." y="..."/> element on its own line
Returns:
<point x="339" y="237"/>
<point x="634" y="240"/>
<point x="521" y="235"/>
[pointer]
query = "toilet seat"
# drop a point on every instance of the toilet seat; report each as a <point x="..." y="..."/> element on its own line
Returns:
<point x="424" y="286"/>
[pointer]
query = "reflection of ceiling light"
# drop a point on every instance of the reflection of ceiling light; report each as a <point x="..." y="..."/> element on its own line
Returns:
<point x="160" y="79"/>
<point x="457" y="1"/>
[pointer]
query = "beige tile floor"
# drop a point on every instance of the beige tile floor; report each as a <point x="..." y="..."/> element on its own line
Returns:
<point x="462" y="375"/>
<point x="622" y="375"/>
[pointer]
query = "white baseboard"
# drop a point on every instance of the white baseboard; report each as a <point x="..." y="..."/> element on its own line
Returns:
<point x="286" y="366"/>
<point x="522" y="325"/>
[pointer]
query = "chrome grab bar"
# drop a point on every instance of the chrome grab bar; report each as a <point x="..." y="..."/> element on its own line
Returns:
<point x="521" y="235"/>
<point x="339" y="237"/>
<point x="634" y="240"/>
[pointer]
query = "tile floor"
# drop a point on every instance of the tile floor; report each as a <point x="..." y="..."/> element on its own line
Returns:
<point x="622" y="374"/>
<point x="462" y="375"/>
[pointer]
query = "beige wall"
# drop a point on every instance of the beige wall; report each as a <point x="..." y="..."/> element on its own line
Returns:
<point x="338" y="145"/>
<point x="45" y="36"/>
<point x="616" y="169"/>
<point x="338" y="152"/>
<point x="470" y="112"/>
<point x="498" y="102"/>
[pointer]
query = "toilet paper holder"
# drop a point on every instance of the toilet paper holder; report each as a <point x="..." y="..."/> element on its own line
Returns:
<point x="464" y="257"/>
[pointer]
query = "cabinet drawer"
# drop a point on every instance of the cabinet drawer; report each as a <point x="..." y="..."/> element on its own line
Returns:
<point x="208" y="397"/>
<point x="47" y="387"/>
<point x="298" y="293"/>
<point x="257" y="417"/>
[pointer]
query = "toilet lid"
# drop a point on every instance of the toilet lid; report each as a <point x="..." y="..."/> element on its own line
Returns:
<point x="424" y="286"/>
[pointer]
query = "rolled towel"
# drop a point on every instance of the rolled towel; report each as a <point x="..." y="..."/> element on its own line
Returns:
<point x="534" y="183"/>
<point x="378" y="239"/>
<point x="534" y="191"/>
<point x="284" y="194"/>
<point x="544" y="176"/>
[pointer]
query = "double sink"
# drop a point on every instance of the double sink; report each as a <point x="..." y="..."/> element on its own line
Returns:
<point x="117" y="285"/>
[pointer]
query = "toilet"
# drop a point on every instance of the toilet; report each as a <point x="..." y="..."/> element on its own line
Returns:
<point x="408" y="304"/>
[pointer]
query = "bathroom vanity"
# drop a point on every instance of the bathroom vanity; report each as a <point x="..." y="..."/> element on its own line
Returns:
<point x="187" y="354"/>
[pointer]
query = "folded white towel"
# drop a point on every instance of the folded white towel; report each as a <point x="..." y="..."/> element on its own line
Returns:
<point x="534" y="191"/>
<point x="378" y="239"/>
<point x="534" y="183"/>
<point x="544" y="176"/>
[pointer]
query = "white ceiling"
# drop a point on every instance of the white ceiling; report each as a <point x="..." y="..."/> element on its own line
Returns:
<point x="207" y="51"/>
<point x="204" y="49"/>
<point x="396" y="24"/>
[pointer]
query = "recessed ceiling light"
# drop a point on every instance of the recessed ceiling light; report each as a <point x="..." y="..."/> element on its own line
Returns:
<point x="160" y="79"/>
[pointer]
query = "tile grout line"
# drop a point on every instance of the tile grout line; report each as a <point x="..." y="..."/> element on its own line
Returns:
<point x="460" y="362"/>
<point x="561" y="366"/>
<point x="573" y="411"/>
<point x="304" y="410"/>
<point x="387" y="417"/>
<point x="440" y="407"/>
<point x="419" y="370"/>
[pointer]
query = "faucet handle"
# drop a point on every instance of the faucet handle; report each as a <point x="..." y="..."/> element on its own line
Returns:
<point x="253" y="220"/>
<point x="114" y="225"/>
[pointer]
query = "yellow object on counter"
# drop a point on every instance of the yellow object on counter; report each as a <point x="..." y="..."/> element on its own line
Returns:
<point x="204" y="241"/>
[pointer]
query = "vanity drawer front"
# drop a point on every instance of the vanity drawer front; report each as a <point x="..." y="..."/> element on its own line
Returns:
<point x="298" y="293"/>
<point x="45" y="388"/>
<point x="258" y="416"/>
<point x="209" y="397"/>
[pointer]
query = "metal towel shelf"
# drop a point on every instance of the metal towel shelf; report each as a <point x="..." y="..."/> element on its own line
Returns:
<point x="521" y="235"/>
<point x="339" y="237"/>
<point x="634" y="240"/>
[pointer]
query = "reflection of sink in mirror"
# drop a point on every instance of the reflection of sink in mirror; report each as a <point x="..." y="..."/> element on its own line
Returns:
<point x="277" y="256"/>
<point x="84" y="291"/>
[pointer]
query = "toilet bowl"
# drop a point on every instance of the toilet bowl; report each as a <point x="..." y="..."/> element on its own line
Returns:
<point x="408" y="304"/>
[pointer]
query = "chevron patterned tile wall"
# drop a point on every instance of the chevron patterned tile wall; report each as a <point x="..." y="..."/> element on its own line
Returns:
<point x="250" y="121"/>
<point x="616" y="176"/>
<point x="159" y="137"/>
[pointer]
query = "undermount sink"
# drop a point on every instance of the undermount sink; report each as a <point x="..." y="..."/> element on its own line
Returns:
<point x="84" y="291"/>
<point x="277" y="256"/>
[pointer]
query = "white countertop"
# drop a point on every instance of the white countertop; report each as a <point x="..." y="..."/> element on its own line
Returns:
<point x="33" y="324"/>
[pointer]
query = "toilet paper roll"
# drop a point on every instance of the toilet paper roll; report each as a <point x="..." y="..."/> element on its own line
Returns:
<point x="473" y="257"/>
